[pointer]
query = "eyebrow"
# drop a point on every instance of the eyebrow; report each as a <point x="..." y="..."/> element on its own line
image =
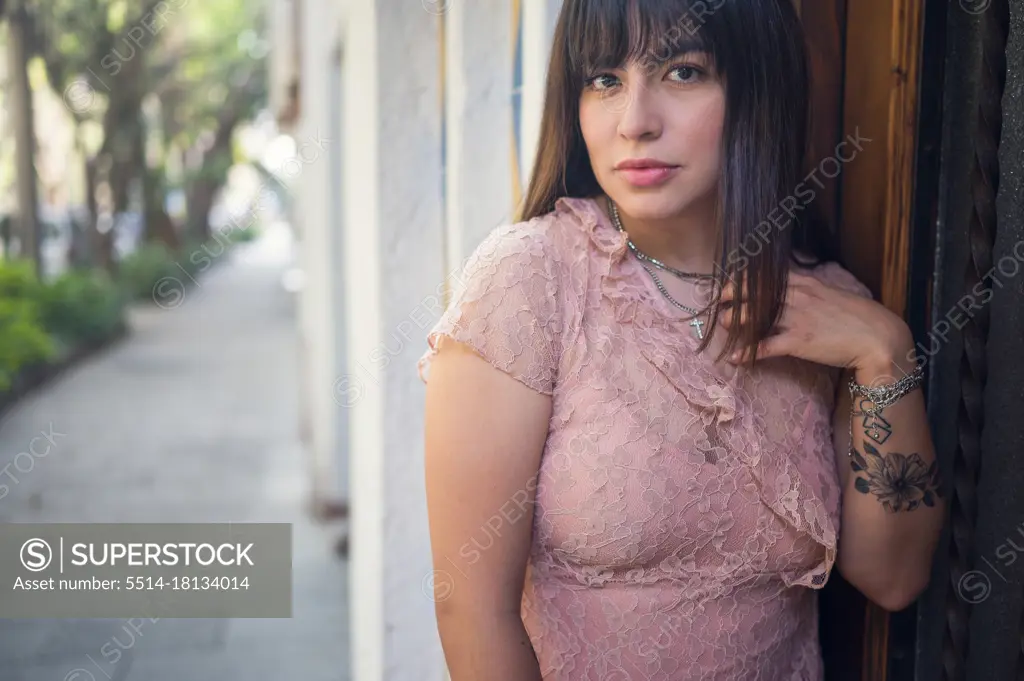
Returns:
<point x="654" y="60"/>
<point x="681" y="53"/>
<point x="686" y="46"/>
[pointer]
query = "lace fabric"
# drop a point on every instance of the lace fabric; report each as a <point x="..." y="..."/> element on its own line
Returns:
<point x="684" y="515"/>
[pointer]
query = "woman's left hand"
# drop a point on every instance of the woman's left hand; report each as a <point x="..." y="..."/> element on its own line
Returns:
<point x="830" y="326"/>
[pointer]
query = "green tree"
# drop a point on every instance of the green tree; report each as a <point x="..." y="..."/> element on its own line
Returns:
<point x="20" y="107"/>
<point x="95" y="52"/>
<point x="219" y="82"/>
<point x="110" y="57"/>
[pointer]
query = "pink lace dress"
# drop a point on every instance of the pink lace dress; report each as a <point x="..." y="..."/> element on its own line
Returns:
<point x="684" y="516"/>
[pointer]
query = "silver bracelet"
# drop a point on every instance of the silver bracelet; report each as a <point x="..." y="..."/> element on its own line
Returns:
<point x="876" y="427"/>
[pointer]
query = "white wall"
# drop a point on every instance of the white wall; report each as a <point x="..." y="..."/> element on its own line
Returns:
<point x="335" y="216"/>
<point x="312" y="182"/>
<point x="402" y="243"/>
<point x="375" y="289"/>
<point x="478" y="88"/>
<point x="394" y="254"/>
<point x="539" y="19"/>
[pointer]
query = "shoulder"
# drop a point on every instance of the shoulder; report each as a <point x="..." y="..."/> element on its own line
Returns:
<point x="831" y="273"/>
<point x="546" y="245"/>
<point x="514" y="242"/>
<point x="515" y="259"/>
<point x="514" y="272"/>
<point x="507" y="303"/>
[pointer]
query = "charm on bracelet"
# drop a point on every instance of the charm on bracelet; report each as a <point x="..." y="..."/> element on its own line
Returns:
<point x="875" y="426"/>
<point x="875" y="399"/>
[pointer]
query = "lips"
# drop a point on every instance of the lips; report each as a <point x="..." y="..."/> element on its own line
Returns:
<point x="646" y="172"/>
<point x="642" y="164"/>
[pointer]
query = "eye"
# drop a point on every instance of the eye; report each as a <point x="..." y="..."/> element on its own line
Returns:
<point x="602" y="82"/>
<point x="687" y="73"/>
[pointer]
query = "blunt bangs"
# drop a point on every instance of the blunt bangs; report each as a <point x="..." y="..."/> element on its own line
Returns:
<point x="605" y="34"/>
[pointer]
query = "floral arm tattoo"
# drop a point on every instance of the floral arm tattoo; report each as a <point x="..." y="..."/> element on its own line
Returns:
<point x="902" y="482"/>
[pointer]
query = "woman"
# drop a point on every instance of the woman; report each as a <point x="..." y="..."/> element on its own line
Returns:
<point x="639" y="426"/>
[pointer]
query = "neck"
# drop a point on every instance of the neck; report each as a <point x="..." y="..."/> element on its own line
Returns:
<point x="686" y="242"/>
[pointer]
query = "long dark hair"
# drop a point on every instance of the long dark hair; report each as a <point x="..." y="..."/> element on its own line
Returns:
<point x="758" y="50"/>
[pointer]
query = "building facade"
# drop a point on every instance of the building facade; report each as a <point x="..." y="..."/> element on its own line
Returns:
<point x="429" y="111"/>
<point x="426" y="110"/>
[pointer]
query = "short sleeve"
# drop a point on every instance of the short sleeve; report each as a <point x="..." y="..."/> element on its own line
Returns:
<point x="834" y="274"/>
<point x="506" y="307"/>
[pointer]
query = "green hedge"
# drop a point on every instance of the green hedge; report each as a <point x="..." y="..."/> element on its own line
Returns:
<point x="139" y="273"/>
<point x="153" y="270"/>
<point x="23" y="339"/>
<point x="38" y="319"/>
<point x="81" y="307"/>
<point x="18" y="280"/>
<point x="244" y="234"/>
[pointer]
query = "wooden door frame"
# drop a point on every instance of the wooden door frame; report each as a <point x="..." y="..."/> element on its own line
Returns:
<point x="867" y="60"/>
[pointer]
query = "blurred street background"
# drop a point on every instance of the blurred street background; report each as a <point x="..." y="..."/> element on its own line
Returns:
<point x="149" y="293"/>
<point x="226" y="228"/>
<point x="190" y="419"/>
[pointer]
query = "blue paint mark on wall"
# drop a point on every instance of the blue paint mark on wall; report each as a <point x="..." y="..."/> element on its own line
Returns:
<point x="517" y="90"/>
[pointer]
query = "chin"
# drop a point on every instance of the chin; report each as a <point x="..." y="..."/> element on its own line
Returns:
<point x="656" y="203"/>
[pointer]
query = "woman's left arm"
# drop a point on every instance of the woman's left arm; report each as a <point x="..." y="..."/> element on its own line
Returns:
<point x="892" y="511"/>
<point x="892" y="506"/>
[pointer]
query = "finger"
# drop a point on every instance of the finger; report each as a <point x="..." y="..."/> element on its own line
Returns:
<point x="726" y="315"/>
<point x="730" y="287"/>
<point x="709" y="291"/>
<point x="726" y="292"/>
<point x="803" y="277"/>
<point x="804" y="283"/>
<point x="797" y="294"/>
<point x="773" y="346"/>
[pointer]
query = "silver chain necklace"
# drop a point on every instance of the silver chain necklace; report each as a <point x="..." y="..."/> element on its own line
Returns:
<point x="696" y="322"/>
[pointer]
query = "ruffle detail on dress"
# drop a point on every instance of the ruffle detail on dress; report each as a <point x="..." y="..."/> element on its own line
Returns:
<point x="656" y="333"/>
<point x="780" y="484"/>
<point x="604" y="236"/>
<point x="783" y="488"/>
<point x="700" y="387"/>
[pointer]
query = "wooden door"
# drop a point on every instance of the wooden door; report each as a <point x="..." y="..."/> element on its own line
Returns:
<point x="866" y="61"/>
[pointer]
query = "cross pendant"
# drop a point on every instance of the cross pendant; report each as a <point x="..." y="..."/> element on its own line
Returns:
<point x="698" y="325"/>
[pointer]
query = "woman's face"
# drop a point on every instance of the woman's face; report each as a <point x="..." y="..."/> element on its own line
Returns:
<point x="672" y="115"/>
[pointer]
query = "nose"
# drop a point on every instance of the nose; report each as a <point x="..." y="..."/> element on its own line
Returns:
<point x="639" y="117"/>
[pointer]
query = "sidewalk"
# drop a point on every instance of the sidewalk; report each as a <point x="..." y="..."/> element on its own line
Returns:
<point x="193" y="418"/>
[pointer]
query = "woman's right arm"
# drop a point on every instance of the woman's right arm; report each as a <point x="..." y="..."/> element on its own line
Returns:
<point x="484" y="435"/>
